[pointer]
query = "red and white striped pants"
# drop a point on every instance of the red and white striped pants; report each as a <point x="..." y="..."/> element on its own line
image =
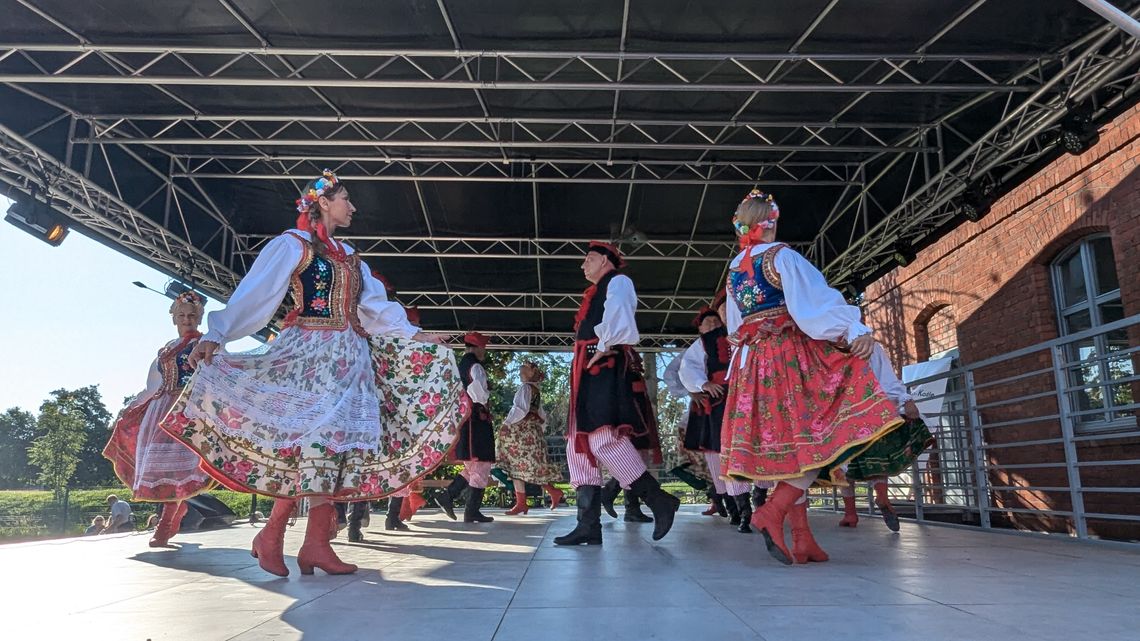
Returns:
<point x="616" y="452"/>
<point x="724" y="486"/>
<point x="477" y="473"/>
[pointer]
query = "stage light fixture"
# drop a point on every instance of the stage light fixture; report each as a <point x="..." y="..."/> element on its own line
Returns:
<point x="1078" y="133"/>
<point x="38" y="219"/>
<point x="174" y="289"/>
<point x="974" y="205"/>
<point x="902" y="253"/>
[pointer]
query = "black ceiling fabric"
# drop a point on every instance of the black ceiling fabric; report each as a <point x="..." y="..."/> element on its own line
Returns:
<point x="484" y="143"/>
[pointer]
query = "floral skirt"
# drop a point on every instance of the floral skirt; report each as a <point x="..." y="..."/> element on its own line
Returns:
<point x="892" y="454"/>
<point x="796" y="404"/>
<point x="520" y="451"/>
<point x="152" y="463"/>
<point x="323" y="412"/>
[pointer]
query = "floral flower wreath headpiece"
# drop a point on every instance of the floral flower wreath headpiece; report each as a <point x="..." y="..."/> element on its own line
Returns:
<point x="188" y="298"/>
<point x="323" y="184"/>
<point x="742" y="230"/>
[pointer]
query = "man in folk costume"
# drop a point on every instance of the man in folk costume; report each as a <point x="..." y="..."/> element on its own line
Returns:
<point x="476" y="445"/>
<point x="604" y="411"/>
<point x="646" y="441"/>
<point x="704" y="372"/>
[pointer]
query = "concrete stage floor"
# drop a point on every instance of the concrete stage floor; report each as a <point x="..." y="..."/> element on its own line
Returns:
<point x="507" y="581"/>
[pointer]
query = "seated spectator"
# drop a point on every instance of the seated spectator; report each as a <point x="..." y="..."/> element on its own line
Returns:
<point x="96" y="527"/>
<point x="122" y="520"/>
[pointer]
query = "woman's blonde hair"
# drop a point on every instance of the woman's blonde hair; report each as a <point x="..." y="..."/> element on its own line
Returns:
<point x="758" y="210"/>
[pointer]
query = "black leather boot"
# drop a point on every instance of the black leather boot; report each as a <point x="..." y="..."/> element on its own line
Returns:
<point x="355" y="520"/>
<point x="733" y="509"/>
<point x="745" y="506"/>
<point x="633" y="513"/>
<point x="759" y="496"/>
<point x="589" y="528"/>
<point x="663" y="504"/>
<point x="720" y="504"/>
<point x="392" y="521"/>
<point x="609" y="493"/>
<point x="471" y="513"/>
<point x="446" y="499"/>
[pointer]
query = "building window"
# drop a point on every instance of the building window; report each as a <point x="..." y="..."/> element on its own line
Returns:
<point x="1087" y="295"/>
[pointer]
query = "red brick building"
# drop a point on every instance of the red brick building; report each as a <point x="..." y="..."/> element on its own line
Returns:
<point x="1057" y="254"/>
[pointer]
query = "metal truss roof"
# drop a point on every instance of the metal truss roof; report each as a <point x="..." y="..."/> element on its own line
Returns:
<point x="506" y="137"/>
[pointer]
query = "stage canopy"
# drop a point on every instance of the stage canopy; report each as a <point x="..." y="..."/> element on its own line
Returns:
<point x="486" y="142"/>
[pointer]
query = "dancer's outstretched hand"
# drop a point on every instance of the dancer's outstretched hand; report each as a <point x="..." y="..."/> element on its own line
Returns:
<point x="910" y="411"/>
<point x="203" y="351"/>
<point x="863" y="346"/>
<point x="424" y="337"/>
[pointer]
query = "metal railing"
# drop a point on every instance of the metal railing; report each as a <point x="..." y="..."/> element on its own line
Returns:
<point x="1043" y="439"/>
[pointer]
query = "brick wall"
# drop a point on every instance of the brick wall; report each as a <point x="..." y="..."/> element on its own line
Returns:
<point x="985" y="287"/>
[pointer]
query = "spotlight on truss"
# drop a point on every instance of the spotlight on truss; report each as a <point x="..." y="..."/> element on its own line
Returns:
<point x="38" y="219"/>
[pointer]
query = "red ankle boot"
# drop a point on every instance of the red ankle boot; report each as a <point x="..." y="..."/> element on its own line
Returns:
<point x="520" y="505"/>
<point x="316" y="551"/>
<point x="555" y="496"/>
<point x="412" y="504"/>
<point x="269" y="543"/>
<point x="172" y="514"/>
<point x="804" y="547"/>
<point x="850" y="516"/>
<point x="883" y="502"/>
<point x="769" y="520"/>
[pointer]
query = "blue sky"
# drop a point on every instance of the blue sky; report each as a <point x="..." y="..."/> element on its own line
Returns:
<point x="72" y="318"/>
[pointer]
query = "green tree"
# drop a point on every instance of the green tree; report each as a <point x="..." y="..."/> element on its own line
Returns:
<point x="17" y="431"/>
<point x="57" y="450"/>
<point x="93" y="469"/>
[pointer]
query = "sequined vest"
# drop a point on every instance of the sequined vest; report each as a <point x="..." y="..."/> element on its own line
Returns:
<point x="325" y="291"/>
<point x="760" y="294"/>
<point x="174" y="364"/>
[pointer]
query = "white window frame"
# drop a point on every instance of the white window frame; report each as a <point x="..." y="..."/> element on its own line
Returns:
<point x="1111" y="420"/>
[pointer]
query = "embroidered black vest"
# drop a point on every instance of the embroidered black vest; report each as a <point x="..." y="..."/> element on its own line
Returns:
<point x="597" y="307"/>
<point x="717" y="354"/>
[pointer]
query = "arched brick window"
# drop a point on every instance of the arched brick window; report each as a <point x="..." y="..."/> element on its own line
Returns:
<point x="1086" y="293"/>
<point x="935" y="331"/>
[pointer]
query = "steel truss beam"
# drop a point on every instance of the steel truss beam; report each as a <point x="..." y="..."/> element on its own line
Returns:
<point x="538" y="170"/>
<point x="564" y="341"/>
<point x="540" y="302"/>
<point x="1025" y="133"/>
<point x="30" y="169"/>
<point x="717" y="251"/>
<point x="267" y="66"/>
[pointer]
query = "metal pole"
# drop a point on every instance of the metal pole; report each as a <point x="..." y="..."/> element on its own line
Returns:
<point x="1074" y="473"/>
<point x="977" y="443"/>
<point x="1117" y="17"/>
<point x="917" y="490"/>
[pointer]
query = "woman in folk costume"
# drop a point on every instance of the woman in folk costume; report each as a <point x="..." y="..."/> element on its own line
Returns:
<point x="476" y="445"/>
<point x="890" y="455"/>
<point x="704" y="372"/>
<point x="520" y="447"/>
<point x="348" y="403"/>
<point x="146" y="459"/>
<point x="795" y="402"/>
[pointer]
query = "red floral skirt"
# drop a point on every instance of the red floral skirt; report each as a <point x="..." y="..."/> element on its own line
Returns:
<point x="796" y="404"/>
